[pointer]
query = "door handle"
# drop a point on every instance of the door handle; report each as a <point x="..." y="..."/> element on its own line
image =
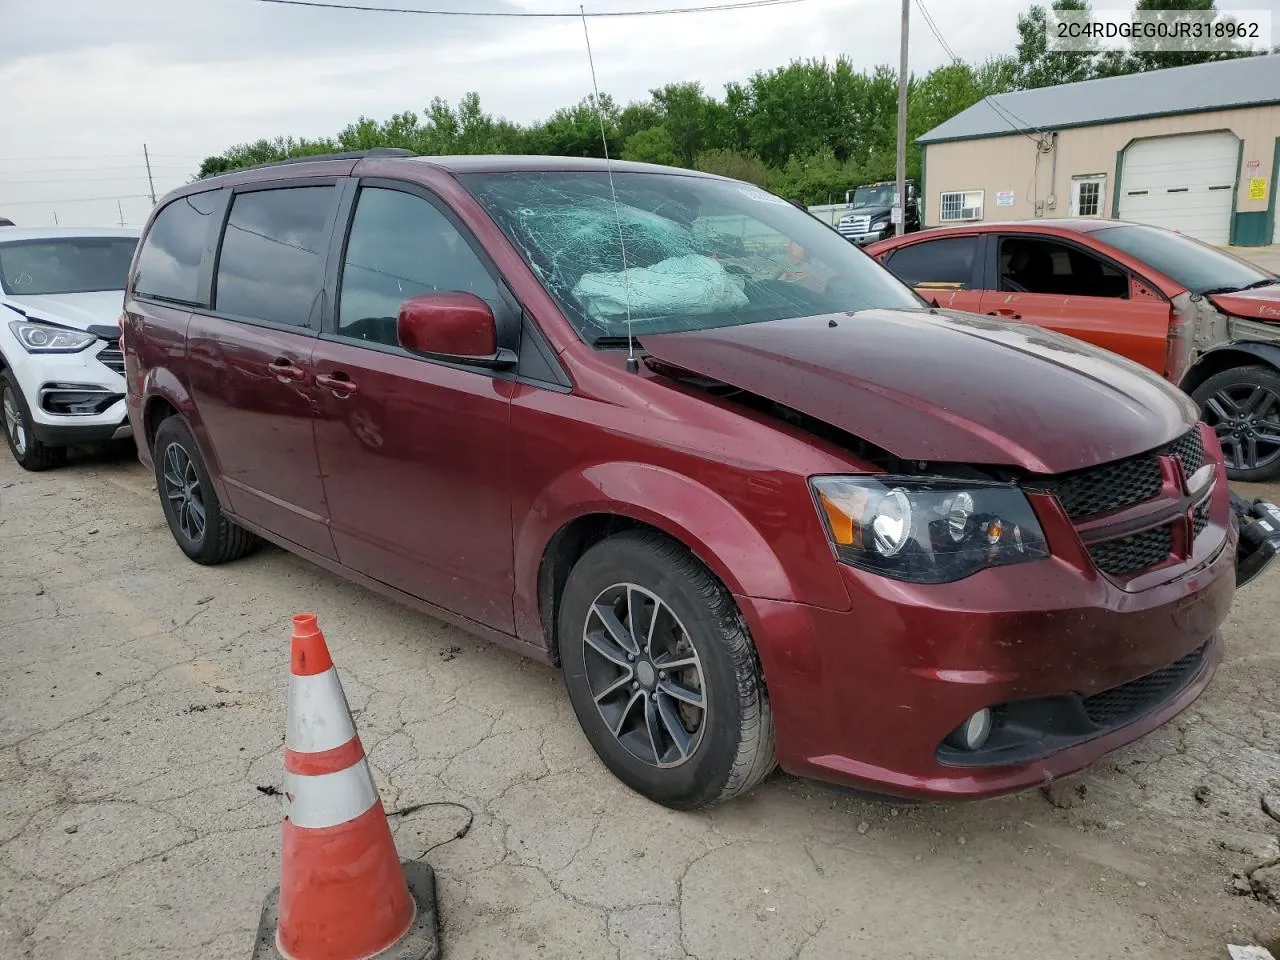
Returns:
<point x="340" y="384"/>
<point x="1008" y="314"/>
<point x="285" y="370"/>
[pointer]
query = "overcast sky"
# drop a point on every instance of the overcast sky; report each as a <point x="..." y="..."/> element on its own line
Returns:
<point x="85" y="83"/>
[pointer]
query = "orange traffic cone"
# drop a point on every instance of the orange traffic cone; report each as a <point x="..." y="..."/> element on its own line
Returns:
<point x="343" y="893"/>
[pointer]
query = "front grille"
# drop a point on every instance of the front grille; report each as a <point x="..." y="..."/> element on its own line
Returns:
<point x="1134" y="552"/>
<point x="112" y="357"/>
<point x="1199" y="520"/>
<point x="1189" y="448"/>
<point x="851" y="225"/>
<point x="1123" y="483"/>
<point x="1130" y="700"/>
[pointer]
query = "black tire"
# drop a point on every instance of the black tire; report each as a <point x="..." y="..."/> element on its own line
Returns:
<point x="1242" y="405"/>
<point x="731" y="745"/>
<point x="19" y="432"/>
<point x="216" y="539"/>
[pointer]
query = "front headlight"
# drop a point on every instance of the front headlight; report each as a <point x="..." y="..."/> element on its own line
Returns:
<point x="927" y="531"/>
<point x="879" y="224"/>
<point x="43" y="338"/>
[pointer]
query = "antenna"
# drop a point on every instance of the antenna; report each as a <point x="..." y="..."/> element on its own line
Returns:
<point x="633" y="364"/>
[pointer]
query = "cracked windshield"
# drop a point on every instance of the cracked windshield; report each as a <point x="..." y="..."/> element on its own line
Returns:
<point x="699" y="252"/>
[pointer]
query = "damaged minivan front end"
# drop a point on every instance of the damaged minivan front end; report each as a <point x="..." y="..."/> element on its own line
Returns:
<point x="1031" y="584"/>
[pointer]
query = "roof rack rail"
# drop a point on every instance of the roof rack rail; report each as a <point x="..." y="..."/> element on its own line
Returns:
<point x="348" y="155"/>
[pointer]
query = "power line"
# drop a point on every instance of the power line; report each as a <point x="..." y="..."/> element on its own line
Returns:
<point x="1004" y="113"/>
<point x="123" y="176"/>
<point x="98" y="169"/>
<point x="530" y="15"/>
<point x="94" y="156"/>
<point x="24" y="203"/>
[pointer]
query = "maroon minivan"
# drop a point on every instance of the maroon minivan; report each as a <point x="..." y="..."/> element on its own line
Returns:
<point x="758" y="499"/>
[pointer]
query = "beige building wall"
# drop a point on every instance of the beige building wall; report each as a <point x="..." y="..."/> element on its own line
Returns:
<point x="1012" y="163"/>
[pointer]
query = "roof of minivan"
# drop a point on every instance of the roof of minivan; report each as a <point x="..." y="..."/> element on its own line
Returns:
<point x="520" y="163"/>
<point x="55" y="233"/>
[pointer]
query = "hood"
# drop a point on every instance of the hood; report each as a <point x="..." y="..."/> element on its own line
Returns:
<point x="101" y="308"/>
<point x="1260" y="304"/>
<point x="944" y="386"/>
<point x="872" y="211"/>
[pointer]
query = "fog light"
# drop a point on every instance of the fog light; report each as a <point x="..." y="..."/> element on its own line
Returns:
<point x="973" y="733"/>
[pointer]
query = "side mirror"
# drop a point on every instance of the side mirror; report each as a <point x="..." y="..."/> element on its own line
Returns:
<point x="454" y="326"/>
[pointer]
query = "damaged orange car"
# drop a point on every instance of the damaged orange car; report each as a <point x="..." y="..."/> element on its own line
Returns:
<point x="1198" y="316"/>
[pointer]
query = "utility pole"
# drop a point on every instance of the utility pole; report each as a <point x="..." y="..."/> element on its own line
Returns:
<point x="152" y="184"/>
<point x="121" y="209"/>
<point x="900" y="205"/>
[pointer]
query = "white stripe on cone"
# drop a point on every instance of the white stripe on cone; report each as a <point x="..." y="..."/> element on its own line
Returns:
<point x="318" y="716"/>
<point x="329" y="799"/>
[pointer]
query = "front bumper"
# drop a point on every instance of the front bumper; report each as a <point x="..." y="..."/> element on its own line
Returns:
<point x="862" y="239"/>
<point x="867" y="697"/>
<point x="73" y="398"/>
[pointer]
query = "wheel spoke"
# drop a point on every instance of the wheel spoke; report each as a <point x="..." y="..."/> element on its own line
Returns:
<point x="621" y="636"/>
<point x="175" y="496"/>
<point x="1225" y="405"/>
<point x="1256" y="396"/>
<point x="173" y="480"/>
<point x="1233" y="443"/>
<point x="626" y="712"/>
<point x="681" y="737"/>
<point x="1266" y="436"/>
<point x="614" y="687"/>
<point x="641" y="614"/>
<point x="679" y="691"/>
<point x="1251" y="451"/>
<point x="671" y="662"/>
<point x="603" y="644"/>
<point x="651" y="726"/>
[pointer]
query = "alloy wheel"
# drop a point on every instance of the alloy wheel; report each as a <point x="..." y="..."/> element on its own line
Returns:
<point x="644" y="675"/>
<point x="1246" y="418"/>
<point x="182" y="488"/>
<point x="13" y="422"/>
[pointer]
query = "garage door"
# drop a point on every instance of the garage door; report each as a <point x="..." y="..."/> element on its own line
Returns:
<point x="1183" y="183"/>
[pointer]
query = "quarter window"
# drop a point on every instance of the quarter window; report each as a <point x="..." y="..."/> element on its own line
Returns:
<point x="945" y="263"/>
<point x="961" y="205"/>
<point x="169" y="263"/>
<point x="400" y="247"/>
<point x="272" y="262"/>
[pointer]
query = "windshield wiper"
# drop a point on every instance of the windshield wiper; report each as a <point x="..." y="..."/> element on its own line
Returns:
<point x="1248" y="286"/>
<point x="613" y="340"/>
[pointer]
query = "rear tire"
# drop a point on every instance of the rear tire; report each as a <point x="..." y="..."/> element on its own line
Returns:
<point x="687" y="644"/>
<point x="1242" y="405"/>
<point x="19" y="430"/>
<point x="189" y="502"/>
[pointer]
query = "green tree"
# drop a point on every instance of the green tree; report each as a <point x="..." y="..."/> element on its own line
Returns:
<point x="1138" y="59"/>
<point x="653" y="145"/>
<point x="1040" y="67"/>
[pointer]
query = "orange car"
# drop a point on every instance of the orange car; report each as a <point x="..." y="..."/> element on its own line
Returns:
<point x="1198" y="316"/>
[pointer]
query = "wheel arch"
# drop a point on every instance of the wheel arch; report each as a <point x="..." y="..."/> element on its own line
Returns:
<point x="1237" y="353"/>
<point x="579" y="510"/>
<point x="164" y="395"/>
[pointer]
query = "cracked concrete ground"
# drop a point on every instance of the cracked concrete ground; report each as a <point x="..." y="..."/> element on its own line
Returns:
<point x="143" y="709"/>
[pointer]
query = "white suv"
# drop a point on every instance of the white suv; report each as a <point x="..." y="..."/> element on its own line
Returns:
<point x="61" y="369"/>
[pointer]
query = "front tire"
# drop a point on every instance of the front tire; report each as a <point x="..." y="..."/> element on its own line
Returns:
<point x="1242" y="405"/>
<point x="19" y="430"/>
<point x="662" y="673"/>
<point x="189" y="502"/>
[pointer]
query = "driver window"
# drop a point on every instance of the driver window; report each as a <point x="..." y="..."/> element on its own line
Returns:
<point x="1035" y="265"/>
<point x="400" y="247"/>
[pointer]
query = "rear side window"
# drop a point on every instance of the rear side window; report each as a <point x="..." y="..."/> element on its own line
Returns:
<point x="272" y="262"/>
<point x="169" y="264"/>
<point x="946" y="263"/>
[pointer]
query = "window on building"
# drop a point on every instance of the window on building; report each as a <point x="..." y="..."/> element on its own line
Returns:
<point x="272" y="261"/>
<point x="961" y="205"/>
<point x="947" y="263"/>
<point x="1037" y="265"/>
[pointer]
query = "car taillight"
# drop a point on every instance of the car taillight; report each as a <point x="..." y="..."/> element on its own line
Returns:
<point x="1177" y="353"/>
